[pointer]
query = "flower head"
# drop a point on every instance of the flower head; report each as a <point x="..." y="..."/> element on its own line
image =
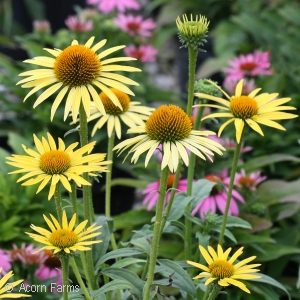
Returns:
<point x="230" y="85"/>
<point x="192" y="33"/>
<point x="151" y="191"/>
<point x="252" y="109"/>
<point x="217" y="198"/>
<point x="52" y="164"/>
<point x="135" y="25"/>
<point x="242" y="180"/>
<point x="132" y="114"/>
<point x="65" y="238"/>
<point x="252" y="64"/>
<point x="230" y="144"/>
<point x="79" y="24"/>
<point x="5" y="260"/>
<point x="75" y="71"/>
<point x="143" y="53"/>
<point x="4" y="290"/>
<point x="170" y="127"/>
<point x="224" y="270"/>
<point x="42" y="26"/>
<point x="26" y="256"/>
<point x="106" y="6"/>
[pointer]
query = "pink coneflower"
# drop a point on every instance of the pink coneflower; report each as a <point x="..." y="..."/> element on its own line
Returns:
<point x="50" y="268"/>
<point x="242" y="180"/>
<point x="144" y="53"/>
<point x="135" y="25"/>
<point x="252" y="64"/>
<point x="26" y="256"/>
<point x="79" y="24"/>
<point x="217" y="199"/>
<point x="106" y="6"/>
<point x="5" y="261"/>
<point x="229" y="144"/>
<point x="152" y="190"/>
<point x="248" y="86"/>
<point x="42" y="26"/>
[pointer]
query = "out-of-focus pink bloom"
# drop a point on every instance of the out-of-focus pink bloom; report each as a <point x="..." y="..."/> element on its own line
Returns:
<point x="5" y="261"/>
<point x="26" y="256"/>
<point x="217" y="199"/>
<point x="106" y="6"/>
<point x="135" y="25"/>
<point x="41" y="26"/>
<point x="152" y="190"/>
<point x="242" y="180"/>
<point x="229" y="144"/>
<point x="79" y="24"/>
<point x="248" y="86"/>
<point x="88" y="13"/>
<point x="252" y="64"/>
<point x="144" y="53"/>
<point x="50" y="268"/>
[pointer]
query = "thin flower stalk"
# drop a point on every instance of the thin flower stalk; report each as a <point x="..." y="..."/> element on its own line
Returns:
<point x="57" y="197"/>
<point x="65" y="275"/>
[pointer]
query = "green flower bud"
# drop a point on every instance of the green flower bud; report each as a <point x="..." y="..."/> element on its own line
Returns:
<point x="192" y="33"/>
<point x="204" y="86"/>
<point x="258" y="209"/>
<point x="211" y="219"/>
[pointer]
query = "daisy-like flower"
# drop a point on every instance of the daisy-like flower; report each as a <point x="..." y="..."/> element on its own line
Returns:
<point x="252" y="64"/>
<point x="65" y="238"/>
<point x="242" y="180"/>
<point x="252" y="109"/>
<point x="143" y="53"/>
<point x="218" y="198"/>
<point x="6" y="288"/>
<point x="79" y="24"/>
<point x="170" y="127"/>
<point x="248" y="86"/>
<point x="106" y="6"/>
<point x="5" y="261"/>
<point x="52" y="164"/>
<point x="151" y="191"/>
<point x="223" y="270"/>
<point x="135" y="25"/>
<point x="132" y="113"/>
<point x="26" y="256"/>
<point x="230" y="144"/>
<point x="75" y="71"/>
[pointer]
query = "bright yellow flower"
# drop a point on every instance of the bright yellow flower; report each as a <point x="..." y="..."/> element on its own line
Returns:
<point x="57" y="164"/>
<point x="170" y="127"/>
<point x="75" y="71"/>
<point x="65" y="238"/>
<point x="223" y="270"/>
<point x="132" y="114"/>
<point x="6" y="288"/>
<point x="252" y="109"/>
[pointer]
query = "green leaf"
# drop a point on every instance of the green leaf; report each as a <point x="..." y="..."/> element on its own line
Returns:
<point x="129" y="182"/>
<point x="141" y="243"/>
<point x="233" y="221"/>
<point x="258" y="224"/>
<point x="15" y="141"/>
<point x="117" y="284"/>
<point x="184" y="280"/>
<point x="137" y="284"/>
<point x="127" y="262"/>
<point x="123" y="252"/>
<point x="269" y="280"/>
<point x="244" y="237"/>
<point x="259" y="162"/>
<point x="201" y="190"/>
<point x="226" y="232"/>
<point x="181" y="200"/>
<point x="263" y="290"/>
<point x="71" y="131"/>
<point x="3" y="165"/>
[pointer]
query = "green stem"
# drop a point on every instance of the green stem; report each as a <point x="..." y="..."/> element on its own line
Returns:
<point x="156" y="231"/>
<point x="215" y="292"/>
<point x="57" y="197"/>
<point x="206" y="292"/>
<point x="65" y="275"/>
<point x="143" y="277"/>
<point x="87" y="200"/>
<point x="73" y="197"/>
<point x="79" y="279"/>
<point x="230" y="188"/>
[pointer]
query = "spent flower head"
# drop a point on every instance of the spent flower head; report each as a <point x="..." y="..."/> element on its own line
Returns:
<point x="170" y="127"/>
<point x="65" y="238"/>
<point x="251" y="109"/>
<point x="52" y="164"/>
<point x="192" y="33"/>
<point x="223" y="270"/>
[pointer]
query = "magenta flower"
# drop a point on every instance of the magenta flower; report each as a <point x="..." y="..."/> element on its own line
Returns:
<point x="229" y="144"/>
<point x="248" y="86"/>
<point x="26" y="256"/>
<point x="5" y="261"/>
<point x="242" y="180"/>
<point x="106" y="6"/>
<point x="79" y="24"/>
<point x="152" y="190"/>
<point x="135" y="25"/>
<point x="144" y="53"/>
<point x="252" y="64"/>
<point x="217" y="199"/>
<point x="50" y="268"/>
